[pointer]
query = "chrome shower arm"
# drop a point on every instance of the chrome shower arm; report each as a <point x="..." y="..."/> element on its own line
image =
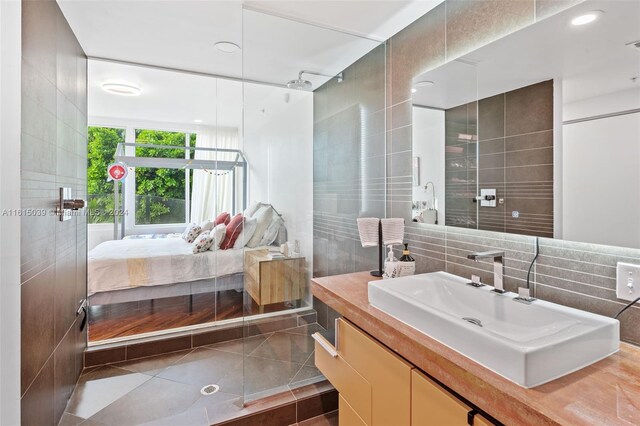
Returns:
<point x="338" y="76"/>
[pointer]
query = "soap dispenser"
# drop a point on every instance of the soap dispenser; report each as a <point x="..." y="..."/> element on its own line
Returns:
<point x="390" y="264"/>
<point x="407" y="264"/>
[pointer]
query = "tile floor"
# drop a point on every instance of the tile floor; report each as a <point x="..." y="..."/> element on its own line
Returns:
<point x="165" y="389"/>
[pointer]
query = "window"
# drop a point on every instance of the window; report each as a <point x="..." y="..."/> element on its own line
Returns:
<point x="162" y="195"/>
<point x="101" y="151"/>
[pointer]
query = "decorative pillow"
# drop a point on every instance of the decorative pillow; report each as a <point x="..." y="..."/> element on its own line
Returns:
<point x="190" y="234"/>
<point x="233" y="231"/>
<point x="264" y="215"/>
<point x="187" y="229"/>
<point x="222" y="218"/>
<point x="248" y="229"/>
<point x="218" y="235"/>
<point x="207" y="225"/>
<point x="203" y="242"/>
<point x="272" y="231"/>
<point x="252" y="209"/>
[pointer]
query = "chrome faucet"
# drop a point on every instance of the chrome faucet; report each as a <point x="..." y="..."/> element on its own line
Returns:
<point x="498" y="267"/>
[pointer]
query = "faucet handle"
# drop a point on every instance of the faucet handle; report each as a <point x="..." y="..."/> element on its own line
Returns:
<point x="524" y="296"/>
<point x="475" y="281"/>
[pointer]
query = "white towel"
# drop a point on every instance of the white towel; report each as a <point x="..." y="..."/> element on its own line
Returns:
<point x="368" y="229"/>
<point x="392" y="231"/>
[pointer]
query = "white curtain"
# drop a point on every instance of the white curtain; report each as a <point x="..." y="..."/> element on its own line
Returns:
<point x="212" y="189"/>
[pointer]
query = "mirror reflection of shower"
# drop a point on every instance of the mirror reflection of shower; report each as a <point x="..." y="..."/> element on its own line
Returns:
<point x="427" y="211"/>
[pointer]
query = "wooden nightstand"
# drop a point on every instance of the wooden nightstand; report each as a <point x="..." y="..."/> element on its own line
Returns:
<point x="273" y="280"/>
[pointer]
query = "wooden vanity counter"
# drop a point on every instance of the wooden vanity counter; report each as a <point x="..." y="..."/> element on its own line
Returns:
<point x="604" y="393"/>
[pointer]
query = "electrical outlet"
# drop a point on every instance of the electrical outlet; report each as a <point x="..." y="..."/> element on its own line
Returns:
<point x="627" y="281"/>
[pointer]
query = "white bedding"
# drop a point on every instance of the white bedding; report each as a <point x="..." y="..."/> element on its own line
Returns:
<point x="125" y="264"/>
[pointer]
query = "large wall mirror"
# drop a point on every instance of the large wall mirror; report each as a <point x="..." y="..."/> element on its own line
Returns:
<point x="537" y="133"/>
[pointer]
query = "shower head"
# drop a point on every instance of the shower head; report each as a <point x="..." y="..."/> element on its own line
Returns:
<point x="299" y="84"/>
<point x="302" y="84"/>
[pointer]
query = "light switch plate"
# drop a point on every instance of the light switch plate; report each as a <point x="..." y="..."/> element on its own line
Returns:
<point x="627" y="281"/>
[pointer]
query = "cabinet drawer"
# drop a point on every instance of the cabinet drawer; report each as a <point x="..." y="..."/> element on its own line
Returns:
<point x="434" y="406"/>
<point x="480" y="420"/>
<point x="347" y="415"/>
<point x="388" y="374"/>
<point x="351" y="385"/>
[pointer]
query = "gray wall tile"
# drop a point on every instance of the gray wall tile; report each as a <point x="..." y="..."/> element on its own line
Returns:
<point x="53" y="253"/>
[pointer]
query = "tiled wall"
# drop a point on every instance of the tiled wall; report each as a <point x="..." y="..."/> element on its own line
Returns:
<point x="576" y="274"/>
<point x="514" y="156"/>
<point x="348" y="164"/>
<point x="53" y="253"/>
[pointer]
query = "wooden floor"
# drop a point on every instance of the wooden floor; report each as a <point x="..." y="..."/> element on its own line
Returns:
<point x="131" y="318"/>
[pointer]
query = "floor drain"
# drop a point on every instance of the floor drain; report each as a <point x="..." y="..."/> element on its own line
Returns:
<point x="209" y="389"/>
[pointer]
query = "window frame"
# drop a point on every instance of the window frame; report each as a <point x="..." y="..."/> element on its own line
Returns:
<point x="130" y="127"/>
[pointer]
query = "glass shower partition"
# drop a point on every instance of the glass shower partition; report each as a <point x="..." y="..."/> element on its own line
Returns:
<point x="285" y="128"/>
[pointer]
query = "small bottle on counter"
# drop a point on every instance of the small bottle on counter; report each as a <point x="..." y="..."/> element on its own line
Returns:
<point x="407" y="264"/>
<point x="390" y="265"/>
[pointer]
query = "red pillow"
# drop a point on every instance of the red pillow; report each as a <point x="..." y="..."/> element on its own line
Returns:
<point x="222" y="218"/>
<point x="234" y="228"/>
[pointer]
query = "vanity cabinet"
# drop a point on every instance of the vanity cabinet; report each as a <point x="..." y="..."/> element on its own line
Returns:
<point x="379" y="388"/>
<point x="373" y="382"/>
<point x="434" y="406"/>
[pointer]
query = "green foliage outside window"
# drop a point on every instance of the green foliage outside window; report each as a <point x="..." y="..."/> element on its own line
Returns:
<point x="160" y="193"/>
<point x="101" y="150"/>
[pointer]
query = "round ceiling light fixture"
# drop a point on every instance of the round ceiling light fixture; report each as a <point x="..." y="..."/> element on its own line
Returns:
<point x="414" y="90"/>
<point x="197" y="120"/>
<point x="425" y="83"/>
<point x="122" y="89"/>
<point x="586" y="18"/>
<point x="227" y="47"/>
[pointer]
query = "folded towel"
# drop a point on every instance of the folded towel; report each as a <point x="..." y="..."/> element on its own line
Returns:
<point x="368" y="229"/>
<point x="392" y="231"/>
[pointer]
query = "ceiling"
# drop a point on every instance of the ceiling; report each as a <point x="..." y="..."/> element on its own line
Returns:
<point x="167" y="97"/>
<point x="591" y="60"/>
<point x="322" y="36"/>
<point x="177" y="99"/>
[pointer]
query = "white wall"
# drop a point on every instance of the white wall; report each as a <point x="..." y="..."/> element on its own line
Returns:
<point x="279" y="149"/>
<point x="10" y="107"/>
<point x="601" y="176"/>
<point x="429" y="145"/>
<point x="98" y="233"/>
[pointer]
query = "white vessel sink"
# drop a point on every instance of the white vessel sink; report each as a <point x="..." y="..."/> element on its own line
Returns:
<point x="527" y="344"/>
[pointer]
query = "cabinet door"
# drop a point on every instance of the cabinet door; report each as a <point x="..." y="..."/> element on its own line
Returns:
<point x="351" y="385"/>
<point x="433" y="406"/>
<point x="347" y="415"/>
<point x="388" y="374"/>
<point x="480" y="420"/>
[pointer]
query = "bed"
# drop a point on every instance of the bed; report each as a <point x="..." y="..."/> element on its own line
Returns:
<point x="142" y="269"/>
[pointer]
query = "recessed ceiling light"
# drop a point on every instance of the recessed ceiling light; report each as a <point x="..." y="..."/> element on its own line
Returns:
<point x="227" y="47"/>
<point x="586" y="18"/>
<point x="425" y="83"/>
<point x="197" y="121"/>
<point x="123" y="89"/>
<point x="414" y="90"/>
